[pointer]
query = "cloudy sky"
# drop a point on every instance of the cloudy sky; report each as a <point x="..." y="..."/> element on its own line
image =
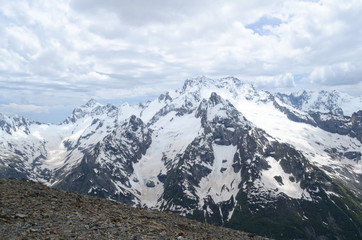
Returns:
<point x="55" y="55"/>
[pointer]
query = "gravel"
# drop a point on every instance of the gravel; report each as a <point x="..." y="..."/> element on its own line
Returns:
<point x="30" y="210"/>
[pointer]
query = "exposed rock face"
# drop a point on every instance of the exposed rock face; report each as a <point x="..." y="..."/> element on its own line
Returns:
<point x="30" y="210"/>
<point x="356" y="121"/>
<point x="326" y="112"/>
<point x="333" y="123"/>
<point x="109" y="162"/>
<point x="340" y="124"/>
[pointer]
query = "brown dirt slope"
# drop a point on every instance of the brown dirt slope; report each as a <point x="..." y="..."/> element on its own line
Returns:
<point x="31" y="210"/>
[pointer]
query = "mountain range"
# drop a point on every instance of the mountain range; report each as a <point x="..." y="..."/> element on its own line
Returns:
<point x="218" y="151"/>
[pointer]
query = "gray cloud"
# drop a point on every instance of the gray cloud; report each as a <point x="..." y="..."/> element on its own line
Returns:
<point x="141" y="12"/>
<point x="74" y="50"/>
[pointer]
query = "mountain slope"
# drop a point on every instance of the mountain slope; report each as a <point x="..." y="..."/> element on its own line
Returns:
<point x="66" y="215"/>
<point x="219" y="151"/>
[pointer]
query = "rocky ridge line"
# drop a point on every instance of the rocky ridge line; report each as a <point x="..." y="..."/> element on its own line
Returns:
<point x="30" y="210"/>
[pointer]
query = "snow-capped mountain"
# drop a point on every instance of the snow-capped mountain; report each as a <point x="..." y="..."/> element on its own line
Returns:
<point x="334" y="112"/>
<point x="218" y="151"/>
<point x="325" y="102"/>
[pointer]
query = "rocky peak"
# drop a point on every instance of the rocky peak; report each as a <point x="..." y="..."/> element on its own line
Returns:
<point x="91" y="108"/>
<point x="216" y="106"/>
<point x="295" y="99"/>
<point x="165" y="97"/>
<point x="215" y="99"/>
<point x="217" y="111"/>
<point x="299" y="94"/>
<point x="323" y="101"/>
<point x="197" y="82"/>
<point x="232" y="84"/>
<point x="234" y="80"/>
<point x="15" y="123"/>
<point x="135" y="132"/>
<point x="133" y="123"/>
<point x="6" y="124"/>
<point x="91" y="103"/>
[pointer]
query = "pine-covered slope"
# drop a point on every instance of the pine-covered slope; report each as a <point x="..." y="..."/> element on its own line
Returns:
<point x="218" y="151"/>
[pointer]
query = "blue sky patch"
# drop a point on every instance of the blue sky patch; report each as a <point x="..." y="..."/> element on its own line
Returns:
<point x="259" y="26"/>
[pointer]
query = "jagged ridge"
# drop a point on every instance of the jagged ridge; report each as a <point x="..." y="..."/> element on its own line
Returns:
<point x="215" y="150"/>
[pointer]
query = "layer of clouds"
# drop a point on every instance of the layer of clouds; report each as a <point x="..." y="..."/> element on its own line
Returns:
<point x="280" y="81"/>
<point x="65" y="52"/>
<point x="13" y="108"/>
<point x="336" y="74"/>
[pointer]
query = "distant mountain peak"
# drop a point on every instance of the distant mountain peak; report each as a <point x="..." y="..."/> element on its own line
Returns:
<point x="197" y="81"/>
<point x="205" y="81"/>
<point x="92" y="103"/>
<point x="231" y="86"/>
<point x="323" y="101"/>
<point x="91" y="108"/>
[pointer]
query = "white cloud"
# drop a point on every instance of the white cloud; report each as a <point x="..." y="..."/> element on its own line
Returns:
<point x="285" y="80"/>
<point x="75" y="50"/>
<point x="13" y="108"/>
<point x="337" y="74"/>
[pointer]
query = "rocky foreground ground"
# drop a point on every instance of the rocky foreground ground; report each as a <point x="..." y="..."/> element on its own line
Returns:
<point x="31" y="210"/>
